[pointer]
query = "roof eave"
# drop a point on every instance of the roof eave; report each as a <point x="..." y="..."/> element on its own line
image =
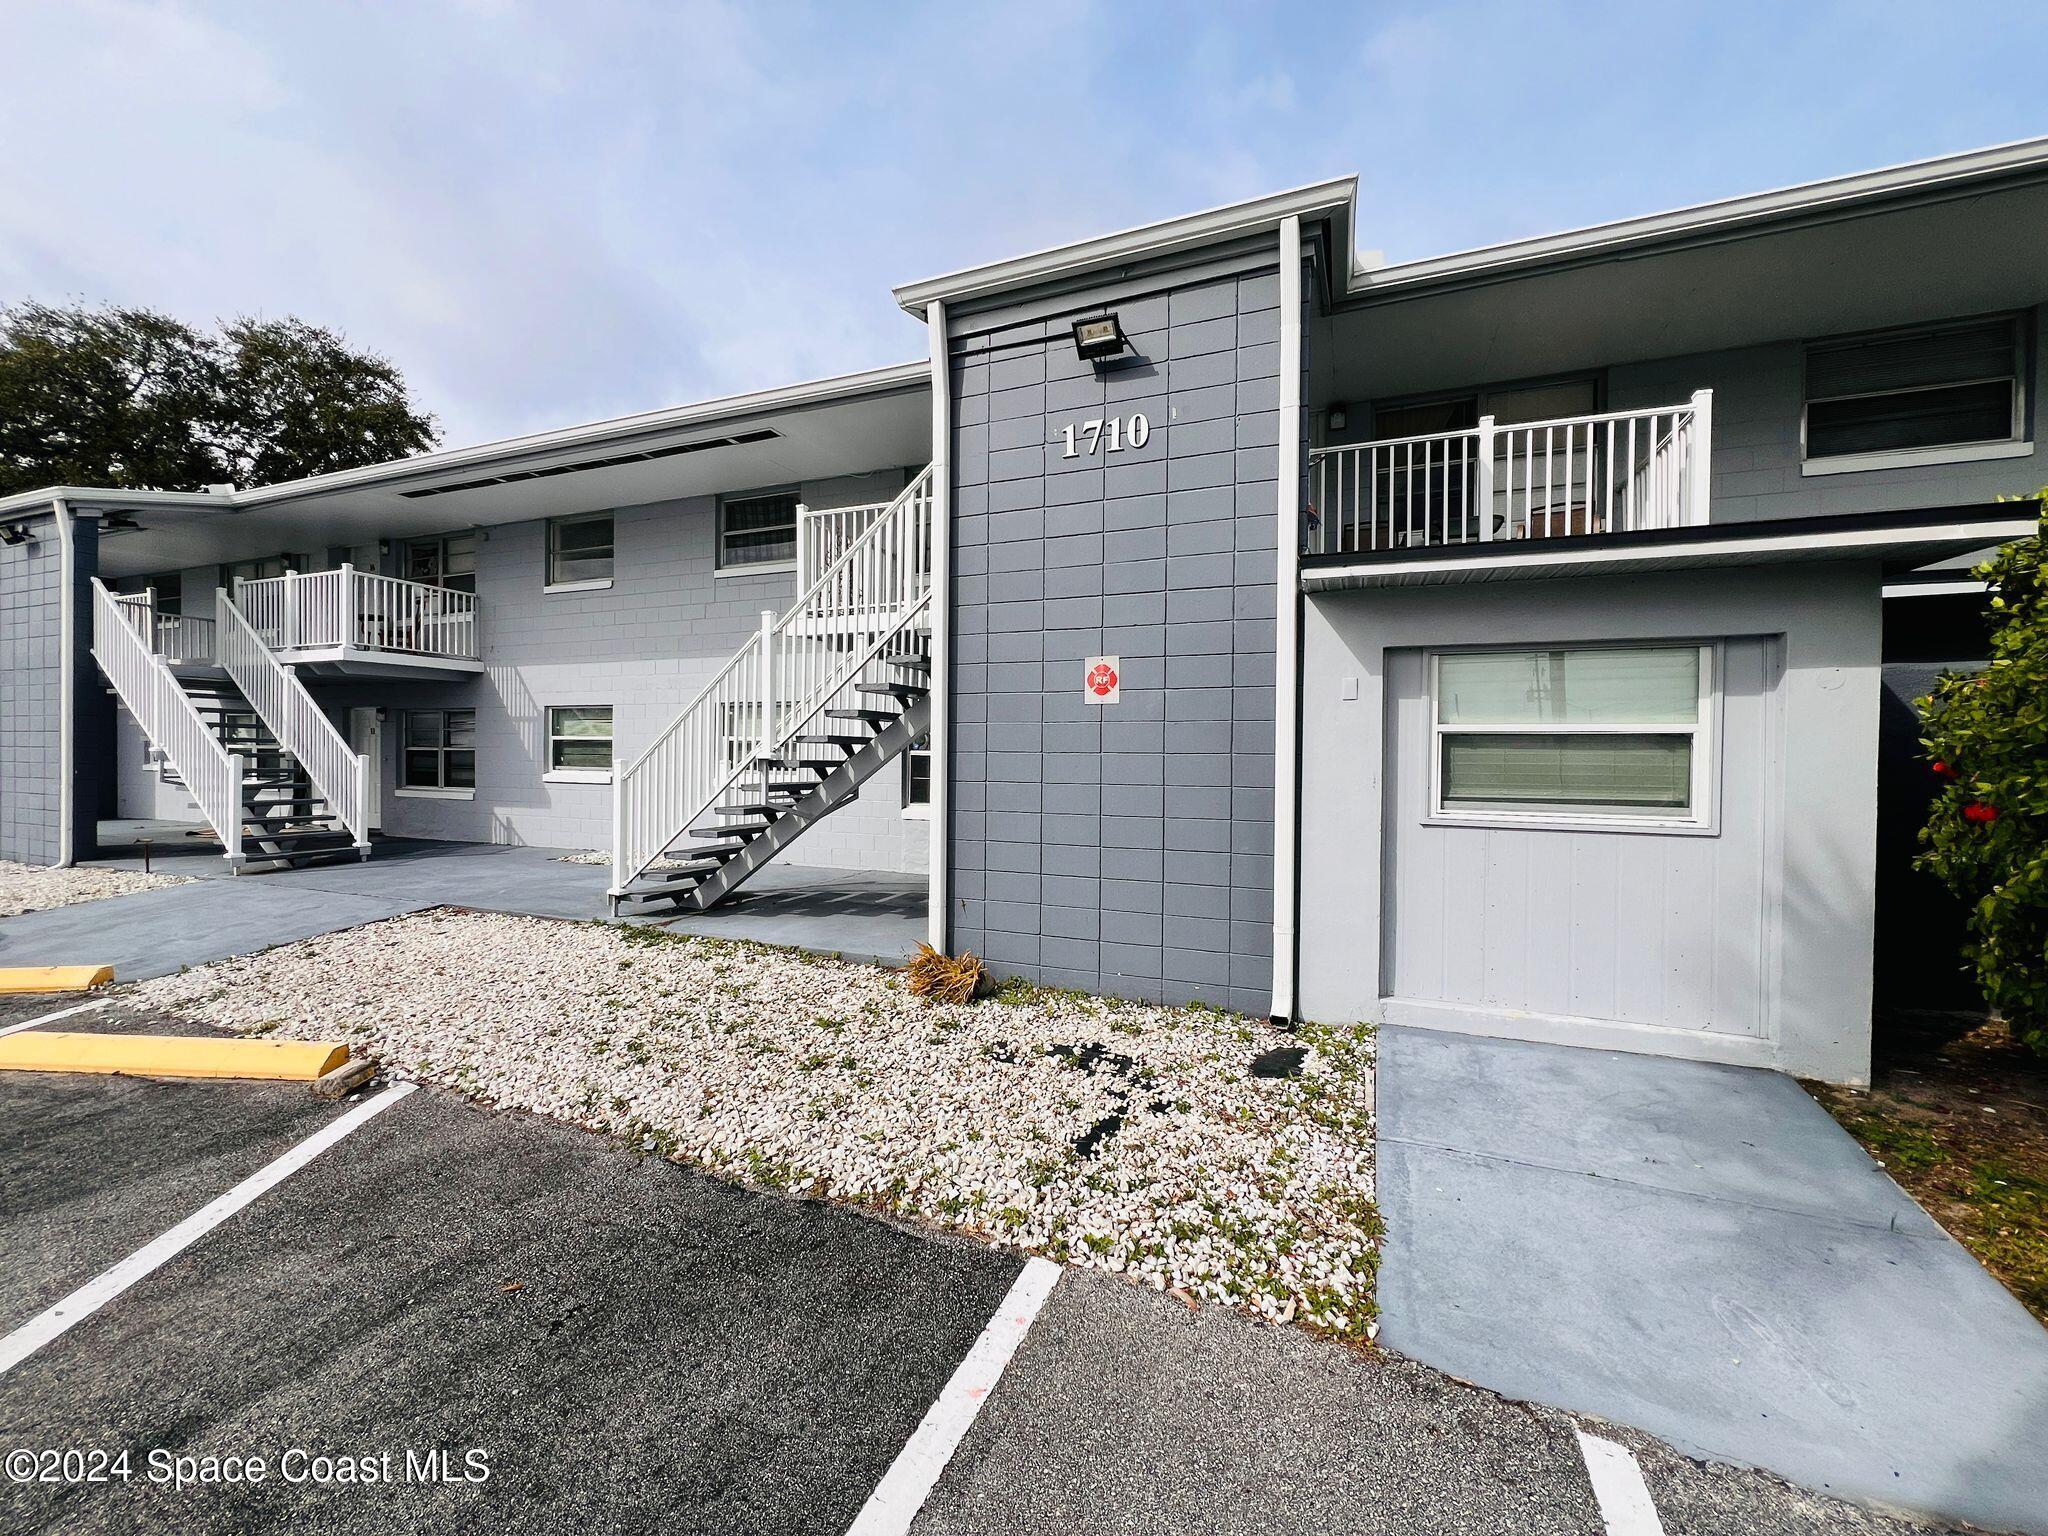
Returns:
<point x="1753" y="213"/>
<point x="1324" y="199"/>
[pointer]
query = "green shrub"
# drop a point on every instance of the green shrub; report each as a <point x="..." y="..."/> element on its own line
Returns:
<point x="1987" y="835"/>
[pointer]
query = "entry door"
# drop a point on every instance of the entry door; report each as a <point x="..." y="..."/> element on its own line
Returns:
<point x="366" y="735"/>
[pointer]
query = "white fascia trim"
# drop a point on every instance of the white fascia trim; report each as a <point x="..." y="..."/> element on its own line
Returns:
<point x="1917" y="176"/>
<point x="1849" y="542"/>
<point x="1232" y="220"/>
<point x="85" y="500"/>
<point x="1959" y="588"/>
<point x="895" y="377"/>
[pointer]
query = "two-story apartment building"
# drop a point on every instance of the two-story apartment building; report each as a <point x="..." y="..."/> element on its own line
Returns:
<point x="1496" y="642"/>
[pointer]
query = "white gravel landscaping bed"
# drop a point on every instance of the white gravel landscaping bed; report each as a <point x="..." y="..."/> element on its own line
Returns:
<point x="30" y="888"/>
<point x="1121" y="1136"/>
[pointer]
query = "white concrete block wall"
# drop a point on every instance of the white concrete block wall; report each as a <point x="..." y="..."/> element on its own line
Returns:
<point x="645" y="645"/>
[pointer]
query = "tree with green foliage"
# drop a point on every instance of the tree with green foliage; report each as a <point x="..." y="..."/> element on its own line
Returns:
<point x="133" y="399"/>
<point x="1986" y="837"/>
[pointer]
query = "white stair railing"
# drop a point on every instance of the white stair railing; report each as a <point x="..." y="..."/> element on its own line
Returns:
<point x="281" y="701"/>
<point x="865" y="605"/>
<point x="143" y="681"/>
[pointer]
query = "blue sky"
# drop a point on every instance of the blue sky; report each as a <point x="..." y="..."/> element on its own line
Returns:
<point x="549" y="213"/>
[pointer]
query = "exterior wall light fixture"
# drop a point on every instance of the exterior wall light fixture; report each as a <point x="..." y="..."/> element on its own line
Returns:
<point x="1100" y="339"/>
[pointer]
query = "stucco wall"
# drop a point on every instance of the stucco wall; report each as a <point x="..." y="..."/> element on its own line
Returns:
<point x="1124" y="849"/>
<point x="1818" y="796"/>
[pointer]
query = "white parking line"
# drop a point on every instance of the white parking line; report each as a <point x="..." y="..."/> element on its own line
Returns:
<point x="908" y="1482"/>
<point x="1618" y="1484"/>
<point x="103" y="1288"/>
<point x="51" y="1018"/>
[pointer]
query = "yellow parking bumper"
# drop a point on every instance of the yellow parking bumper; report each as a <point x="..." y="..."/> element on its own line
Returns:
<point x="18" y="979"/>
<point x="298" y="1061"/>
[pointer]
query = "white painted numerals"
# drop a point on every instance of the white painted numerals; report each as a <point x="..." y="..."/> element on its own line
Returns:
<point x="1111" y="434"/>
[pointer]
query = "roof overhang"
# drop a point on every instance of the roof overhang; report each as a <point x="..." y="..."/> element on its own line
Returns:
<point x="1333" y="201"/>
<point x="1898" y="541"/>
<point x="1917" y="182"/>
<point x="855" y="424"/>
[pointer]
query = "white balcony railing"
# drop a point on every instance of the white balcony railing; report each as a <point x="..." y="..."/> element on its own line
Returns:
<point x="354" y="610"/>
<point x="1621" y="472"/>
<point x="822" y="537"/>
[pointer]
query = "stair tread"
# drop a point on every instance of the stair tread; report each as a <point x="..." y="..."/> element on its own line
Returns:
<point x="863" y="714"/>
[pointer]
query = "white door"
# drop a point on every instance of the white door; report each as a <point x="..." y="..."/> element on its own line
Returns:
<point x="366" y="735"/>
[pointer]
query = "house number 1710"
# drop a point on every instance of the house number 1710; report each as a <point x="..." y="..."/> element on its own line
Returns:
<point x="1106" y="435"/>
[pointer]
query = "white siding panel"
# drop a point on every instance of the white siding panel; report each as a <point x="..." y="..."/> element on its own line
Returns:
<point x="1651" y="928"/>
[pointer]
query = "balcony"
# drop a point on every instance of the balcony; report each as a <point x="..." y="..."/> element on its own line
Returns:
<point x="1621" y="472"/>
<point x="350" y="623"/>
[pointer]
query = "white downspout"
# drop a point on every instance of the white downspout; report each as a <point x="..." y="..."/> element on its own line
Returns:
<point x="67" y="706"/>
<point x="1287" y="629"/>
<point x="939" y="888"/>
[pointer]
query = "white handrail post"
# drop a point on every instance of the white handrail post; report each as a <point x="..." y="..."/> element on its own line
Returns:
<point x="291" y="610"/>
<point x="806" y="567"/>
<point x="767" y="691"/>
<point x="1701" y="468"/>
<point x="231" y="834"/>
<point x="361" y="828"/>
<point x="1483" y="478"/>
<point x="348" y="605"/>
<point x="618" y="839"/>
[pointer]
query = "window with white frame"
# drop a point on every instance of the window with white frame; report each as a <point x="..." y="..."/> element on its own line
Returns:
<point x="579" y="550"/>
<point x="1915" y="391"/>
<point x="439" y="751"/>
<point x="1620" y="735"/>
<point x="917" y="776"/>
<point x="756" y="529"/>
<point x="580" y="740"/>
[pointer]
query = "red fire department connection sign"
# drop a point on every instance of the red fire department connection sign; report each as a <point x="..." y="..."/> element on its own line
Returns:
<point x="1102" y="682"/>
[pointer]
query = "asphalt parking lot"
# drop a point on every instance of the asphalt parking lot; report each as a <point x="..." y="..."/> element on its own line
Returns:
<point x="631" y="1346"/>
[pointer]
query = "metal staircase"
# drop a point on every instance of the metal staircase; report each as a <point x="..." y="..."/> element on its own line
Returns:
<point x="820" y="701"/>
<point x="267" y="770"/>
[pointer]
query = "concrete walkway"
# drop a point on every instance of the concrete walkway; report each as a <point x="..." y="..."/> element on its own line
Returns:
<point x="858" y="913"/>
<point x="1701" y="1252"/>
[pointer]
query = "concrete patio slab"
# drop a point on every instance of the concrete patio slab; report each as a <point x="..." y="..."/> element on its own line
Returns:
<point x="1701" y="1252"/>
<point x="857" y="913"/>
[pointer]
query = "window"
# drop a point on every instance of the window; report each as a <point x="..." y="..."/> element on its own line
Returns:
<point x="756" y="529"/>
<point x="580" y="740"/>
<point x="579" y="550"/>
<point x="1611" y="734"/>
<point x="917" y="776"/>
<point x="449" y="561"/>
<point x="1912" y="393"/>
<point x="440" y="750"/>
<point x="258" y="570"/>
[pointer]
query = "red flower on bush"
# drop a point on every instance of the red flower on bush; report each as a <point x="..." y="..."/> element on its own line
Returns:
<point x="1943" y="769"/>
<point x="1977" y="810"/>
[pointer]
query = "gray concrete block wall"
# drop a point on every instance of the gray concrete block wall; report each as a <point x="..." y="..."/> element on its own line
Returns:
<point x="645" y="645"/>
<point x="31" y="692"/>
<point x="1124" y="849"/>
